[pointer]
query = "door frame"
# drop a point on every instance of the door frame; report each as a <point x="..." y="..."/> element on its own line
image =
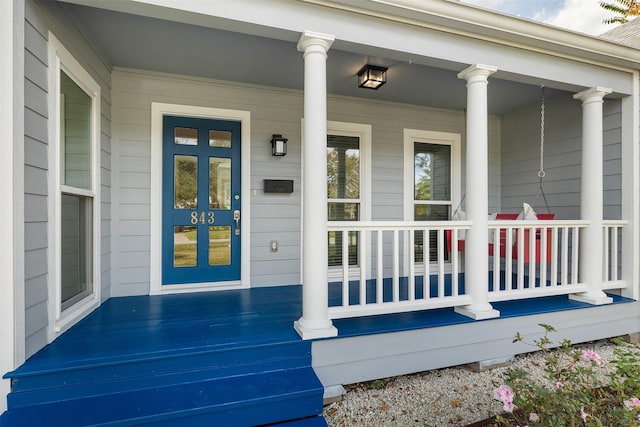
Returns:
<point x="158" y="111"/>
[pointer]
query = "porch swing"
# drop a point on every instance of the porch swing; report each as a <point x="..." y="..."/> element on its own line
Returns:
<point x="527" y="214"/>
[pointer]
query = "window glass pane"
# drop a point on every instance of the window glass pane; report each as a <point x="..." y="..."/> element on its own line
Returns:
<point x="185" y="240"/>
<point x="220" y="245"/>
<point x="219" y="138"/>
<point x="429" y="213"/>
<point x="185" y="136"/>
<point x="219" y="183"/>
<point x="76" y="254"/>
<point x="343" y="212"/>
<point x="75" y="134"/>
<point x="432" y="172"/>
<point x="343" y="167"/>
<point x="185" y="182"/>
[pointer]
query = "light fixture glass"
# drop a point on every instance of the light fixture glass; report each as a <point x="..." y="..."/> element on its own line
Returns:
<point x="372" y="76"/>
<point x="278" y="145"/>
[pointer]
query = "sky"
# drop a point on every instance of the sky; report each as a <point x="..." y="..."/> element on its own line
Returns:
<point x="584" y="16"/>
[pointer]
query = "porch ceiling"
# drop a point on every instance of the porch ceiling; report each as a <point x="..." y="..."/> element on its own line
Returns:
<point x="146" y="43"/>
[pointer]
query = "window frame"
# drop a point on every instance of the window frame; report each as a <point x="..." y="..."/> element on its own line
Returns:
<point x="413" y="136"/>
<point x="363" y="133"/>
<point x="60" y="59"/>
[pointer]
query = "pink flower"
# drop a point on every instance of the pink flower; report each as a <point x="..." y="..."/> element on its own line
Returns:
<point x="503" y="393"/>
<point x="508" y="406"/>
<point x="583" y="414"/>
<point x="632" y="403"/>
<point x="592" y="356"/>
<point x="559" y="385"/>
<point x="533" y="417"/>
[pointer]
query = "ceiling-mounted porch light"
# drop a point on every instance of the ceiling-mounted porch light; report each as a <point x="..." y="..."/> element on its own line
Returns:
<point x="278" y="145"/>
<point x="372" y="76"/>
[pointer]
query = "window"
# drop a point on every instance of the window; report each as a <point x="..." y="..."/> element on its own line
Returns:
<point x="348" y="167"/>
<point x="74" y="134"/>
<point x="431" y="182"/>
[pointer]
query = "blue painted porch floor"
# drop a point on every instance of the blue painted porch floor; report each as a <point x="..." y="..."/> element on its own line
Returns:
<point x="156" y="358"/>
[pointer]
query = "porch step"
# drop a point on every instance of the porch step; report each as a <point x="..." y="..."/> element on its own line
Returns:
<point x="233" y="385"/>
<point x="245" y="400"/>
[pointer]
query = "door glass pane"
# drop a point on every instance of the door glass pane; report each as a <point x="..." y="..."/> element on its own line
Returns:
<point x="220" y="245"/>
<point x="219" y="138"/>
<point x="185" y="136"/>
<point x="343" y="212"/>
<point x="76" y="255"/>
<point x="185" y="182"/>
<point x="343" y="167"/>
<point x="185" y="239"/>
<point x="75" y="133"/>
<point x="219" y="183"/>
<point x="429" y="213"/>
<point x="432" y="172"/>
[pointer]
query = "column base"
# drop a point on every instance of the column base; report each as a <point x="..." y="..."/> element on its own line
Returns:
<point x="593" y="298"/>
<point x="478" y="313"/>
<point x="307" y="333"/>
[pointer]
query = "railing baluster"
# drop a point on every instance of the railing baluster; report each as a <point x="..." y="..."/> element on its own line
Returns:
<point x="364" y="263"/>
<point x="495" y="235"/>
<point x="440" y="243"/>
<point x="396" y="267"/>
<point x="379" y="268"/>
<point x="543" y="257"/>
<point x="554" y="257"/>
<point x="411" y="280"/>
<point x="345" y="268"/>
<point x="575" y="256"/>
<point x="454" y="262"/>
<point x="564" y="270"/>
<point x="605" y="253"/>
<point x="426" y="259"/>
<point x="520" y="259"/>
<point x="532" y="258"/>
<point x="508" y="259"/>
<point x="614" y="253"/>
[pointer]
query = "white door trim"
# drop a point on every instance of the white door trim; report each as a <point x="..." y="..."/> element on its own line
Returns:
<point x="158" y="111"/>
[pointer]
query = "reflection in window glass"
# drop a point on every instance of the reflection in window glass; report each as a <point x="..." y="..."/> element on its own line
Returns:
<point x="185" y="182"/>
<point x="432" y="172"/>
<point x="75" y="253"/>
<point x="343" y="167"/>
<point x="185" y="136"/>
<point x="185" y="242"/>
<point x="219" y="183"/>
<point x="75" y="138"/>
<point x="220" y="245"/>
<point x="219" y="138"/>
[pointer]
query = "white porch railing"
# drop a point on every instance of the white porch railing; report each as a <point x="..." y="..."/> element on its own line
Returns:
<point x="388" y="278"/>
<point x="612" y="247"/>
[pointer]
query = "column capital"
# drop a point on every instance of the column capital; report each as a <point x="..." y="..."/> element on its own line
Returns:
<point x="477" y="70"/>
<point x="593" y="94"/>
<point x="312" y="39"/>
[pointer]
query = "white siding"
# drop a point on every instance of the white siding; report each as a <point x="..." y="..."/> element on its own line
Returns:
<point x="40" y="19"/>
<point x="274" y="217"/>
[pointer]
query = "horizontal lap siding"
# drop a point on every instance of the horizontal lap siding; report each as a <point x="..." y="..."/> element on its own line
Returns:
<point x="562" y="158"/>
<point x="41" y="18"/>
<point x="274" y="216"/>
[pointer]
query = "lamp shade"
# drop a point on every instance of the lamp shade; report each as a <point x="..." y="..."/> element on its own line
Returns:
<point x="372" y="76"/>
<point x="278" y="145"/>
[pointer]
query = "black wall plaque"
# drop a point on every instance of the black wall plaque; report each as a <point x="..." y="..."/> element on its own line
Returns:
<point x="278" y="186"/>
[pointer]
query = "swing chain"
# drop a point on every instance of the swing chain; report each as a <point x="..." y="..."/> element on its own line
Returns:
<point x="541" y="172"/>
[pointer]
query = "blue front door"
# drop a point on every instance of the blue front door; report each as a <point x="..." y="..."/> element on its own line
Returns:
<point x="201" y="211"/>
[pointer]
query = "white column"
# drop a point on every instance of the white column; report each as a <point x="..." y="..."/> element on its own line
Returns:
<point x="12" y="305"/>
<point x="591" y="206"/>
<point x="477" y="199"/>
<point x="315" y="322"/>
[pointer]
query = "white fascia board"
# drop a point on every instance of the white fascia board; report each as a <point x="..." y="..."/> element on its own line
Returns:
<point x="477" y="22"/>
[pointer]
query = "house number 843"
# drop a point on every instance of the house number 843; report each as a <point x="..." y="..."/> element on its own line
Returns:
<point x="202" y="218"/>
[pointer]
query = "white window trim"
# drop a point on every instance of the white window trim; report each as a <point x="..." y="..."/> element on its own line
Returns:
<point x="411" y="136"/>
<point x="158" y="111"/>
<point x="363" y="132"/>
<point x="59" y="321"/>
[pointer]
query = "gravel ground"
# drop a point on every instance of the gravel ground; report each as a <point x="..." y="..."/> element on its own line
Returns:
<point x="445" y="397"/>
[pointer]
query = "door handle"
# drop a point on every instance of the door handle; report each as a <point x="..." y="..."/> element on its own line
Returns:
<point x="236" y="218"/>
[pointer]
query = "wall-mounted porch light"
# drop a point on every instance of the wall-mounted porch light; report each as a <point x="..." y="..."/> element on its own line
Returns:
<point x="372" y="76"/>
<point x="278" y="145"/>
